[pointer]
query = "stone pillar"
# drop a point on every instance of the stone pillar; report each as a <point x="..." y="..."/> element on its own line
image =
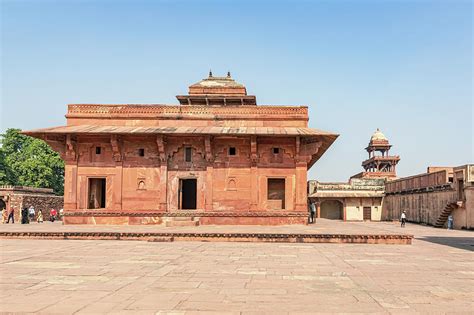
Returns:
<point x="318" y="209"/>
<point x="209" y="188"/>
<point x="209" y="172"/>
<point x="254" y="187"/>
<point x="118" y="184"/>
<point x="344" y="209"/>
<point x="70" y="185"/>
<point x="163" y="187"/>
<point x="301" y="191"/>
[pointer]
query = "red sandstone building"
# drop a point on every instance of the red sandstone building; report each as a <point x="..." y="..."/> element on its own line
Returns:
<point x="217" y="158"/>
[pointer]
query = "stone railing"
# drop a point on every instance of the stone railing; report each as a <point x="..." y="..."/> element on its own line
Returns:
<point x="157" y="110"/>
<point x="438" y="180"/>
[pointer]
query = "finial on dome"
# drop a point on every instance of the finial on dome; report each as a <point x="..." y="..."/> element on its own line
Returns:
<point x="210" y="73"/>
<point x="228" y="74"/>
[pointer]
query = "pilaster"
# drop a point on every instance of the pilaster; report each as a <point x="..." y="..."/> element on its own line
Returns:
<point x="253" y="174"/>
<point x="163" y="185"/>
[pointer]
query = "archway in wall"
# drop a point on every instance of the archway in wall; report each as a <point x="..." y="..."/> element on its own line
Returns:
<point x="332" y="209"/>
<point x="3" y="205"/>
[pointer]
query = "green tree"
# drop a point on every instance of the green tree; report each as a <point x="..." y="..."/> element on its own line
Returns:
<point x="27" y="161"/>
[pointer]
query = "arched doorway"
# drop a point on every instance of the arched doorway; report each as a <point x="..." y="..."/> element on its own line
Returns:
<point x="3" y="205"/>
<point x="332" y="209"/>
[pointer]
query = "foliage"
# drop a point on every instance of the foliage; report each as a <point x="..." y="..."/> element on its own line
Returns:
<point x="25" y="161"/>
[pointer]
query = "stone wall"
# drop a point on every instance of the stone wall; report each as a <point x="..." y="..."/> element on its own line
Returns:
<point x="43" y="203"/>
<point x="421" y="207"/>
<point x="19" y="197"/>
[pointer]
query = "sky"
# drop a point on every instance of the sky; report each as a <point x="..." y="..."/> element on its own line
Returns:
<point x="402" y="66"/>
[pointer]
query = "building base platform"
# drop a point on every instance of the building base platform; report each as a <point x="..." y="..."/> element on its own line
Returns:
<point x="199" y="217"/>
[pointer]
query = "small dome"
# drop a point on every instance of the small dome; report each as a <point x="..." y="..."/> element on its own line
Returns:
<point x="378" y="136"/>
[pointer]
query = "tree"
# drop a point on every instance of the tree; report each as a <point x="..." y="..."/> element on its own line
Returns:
<point x="26" y="161"/>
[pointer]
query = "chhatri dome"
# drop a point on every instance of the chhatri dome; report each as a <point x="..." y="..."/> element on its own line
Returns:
<point x="378" y="136"/>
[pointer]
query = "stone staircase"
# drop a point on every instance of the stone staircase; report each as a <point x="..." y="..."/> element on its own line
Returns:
<point x="443" y="217"/>
<point x="183" y="221"/>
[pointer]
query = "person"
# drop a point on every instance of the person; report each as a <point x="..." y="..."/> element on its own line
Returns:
<point x="52" y="215"/>
<point x="403" y="218"/>
<point x="31" y="213"/>
<point x="450" y="222"/>
<point x="61" y="213"/>
<point x="4" y="215"/>
<point x="24" y="216"/>
<point x="312" y="212"/>
<point x="11" y="215"/>
<point x="40" y="216"/>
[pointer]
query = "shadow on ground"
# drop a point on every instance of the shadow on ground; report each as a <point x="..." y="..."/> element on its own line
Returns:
<point x="466" y="243"/>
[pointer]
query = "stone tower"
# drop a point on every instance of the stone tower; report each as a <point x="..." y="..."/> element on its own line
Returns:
<point x="380" y="163"/>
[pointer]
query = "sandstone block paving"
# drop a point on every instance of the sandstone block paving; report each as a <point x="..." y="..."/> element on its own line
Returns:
<point x="433" y="275"/>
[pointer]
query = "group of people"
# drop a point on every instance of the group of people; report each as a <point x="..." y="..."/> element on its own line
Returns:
<point x="29" y="215"/>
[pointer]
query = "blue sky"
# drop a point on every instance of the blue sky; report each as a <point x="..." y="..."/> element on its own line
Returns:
<point x="402" y="66"/>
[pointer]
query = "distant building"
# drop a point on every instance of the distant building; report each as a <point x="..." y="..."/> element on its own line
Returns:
<point x="361" y="198"/>
<point x="216" y="158"/>
<point x="357" y="200"/>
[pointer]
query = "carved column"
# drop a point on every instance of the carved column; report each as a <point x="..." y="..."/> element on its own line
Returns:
<point x="116" y="144"/>
<point x="160" y="142"/>
<point x="304" y="152"/>
<point x="67" y="148"/>
<point x="253" y="174"/>
<point x="209" y="172"/>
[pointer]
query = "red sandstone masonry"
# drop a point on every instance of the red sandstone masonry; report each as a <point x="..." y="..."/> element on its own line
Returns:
<point x="215" y="237"/>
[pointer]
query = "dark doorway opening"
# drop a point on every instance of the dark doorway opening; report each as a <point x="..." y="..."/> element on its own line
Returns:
<point x="367" y="213"/>
<point x="97" y="188"/>
<point x="3" y="205"/>
<point x="188" y="192"/>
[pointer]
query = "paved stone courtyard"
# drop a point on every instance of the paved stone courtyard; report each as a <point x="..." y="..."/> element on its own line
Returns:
<point x="433" y="275"/>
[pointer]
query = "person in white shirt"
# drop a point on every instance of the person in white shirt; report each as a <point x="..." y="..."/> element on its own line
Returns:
<point x="403" y="219"/>
<point x="31" y="213"/>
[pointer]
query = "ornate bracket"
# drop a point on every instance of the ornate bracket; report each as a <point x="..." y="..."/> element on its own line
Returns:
<point x="253" y="150"/>
<point x="208" y="148"/>
<point x="116" y="150"/>
<point x="57" y="143"/>
<point x="71" y="145"/>
<point x="307" y="150"/>
<point x="160" y="142"/>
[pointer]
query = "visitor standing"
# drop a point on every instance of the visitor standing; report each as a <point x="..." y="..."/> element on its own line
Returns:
<point x="31" y="213"/>
<point x="52" y="215"/>
<point x="403" y="218"/>
<point x="40" y="216"/>
<point x="11" y="215"/>
<point x="24" y="216"/>
<point x="312" y="211"/>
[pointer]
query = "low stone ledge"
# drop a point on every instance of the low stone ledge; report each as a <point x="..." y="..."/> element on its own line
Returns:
<point x="185" y="214"/>
<point x="398" y="239"/>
